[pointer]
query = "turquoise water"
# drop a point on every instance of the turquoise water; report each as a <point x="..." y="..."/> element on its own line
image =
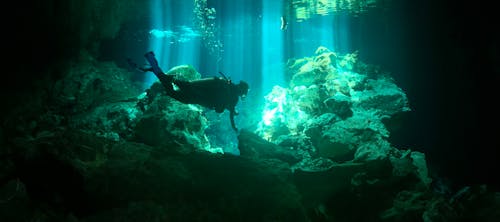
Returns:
<point x="356" y="111"/>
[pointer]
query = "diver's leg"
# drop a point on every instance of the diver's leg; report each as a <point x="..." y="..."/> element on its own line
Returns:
<point x="166" y="80"/>
<point x="182" y="93"/>
<point x="155" y="68"/>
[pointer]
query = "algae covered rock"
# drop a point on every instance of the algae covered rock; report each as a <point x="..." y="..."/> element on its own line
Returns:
<point x="340" y="109"/>
<point x="340" y="105"/>
<point x="313" y="71"/>
<point x="113" y="121"/>
<point x="168" y="123"/>
<point x="184" y="72"/>
<point x="252" y="146"/>
<point x="90" y="83"/>
<point x="339" y="90"/>
<point x="383" y="96"/>
<point x="103" y="101"/>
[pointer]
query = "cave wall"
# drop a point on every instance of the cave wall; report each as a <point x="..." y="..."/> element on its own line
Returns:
<point x="42" y="38"/>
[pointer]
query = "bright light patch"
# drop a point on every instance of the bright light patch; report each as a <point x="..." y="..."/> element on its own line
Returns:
<point x="161" y="34"/>
<point x="280" y="110"/>
<point x="132" y="113"/>
<point x="277" y="99"/>
<point x="268" y="116"/>
<point x="181" y="34"/>
<point x="194" y="108"/>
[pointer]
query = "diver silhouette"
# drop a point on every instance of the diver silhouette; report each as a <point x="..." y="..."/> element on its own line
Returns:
<point x="214" y="93"/>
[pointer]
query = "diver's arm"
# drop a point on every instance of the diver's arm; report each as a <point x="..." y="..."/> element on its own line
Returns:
<point x="232" y="112"/>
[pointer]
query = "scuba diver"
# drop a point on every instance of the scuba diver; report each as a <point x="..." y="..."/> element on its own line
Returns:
<point x="214" y="93"/>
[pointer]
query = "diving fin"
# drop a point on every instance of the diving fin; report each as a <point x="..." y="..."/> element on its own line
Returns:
<point x="150" y="56"/>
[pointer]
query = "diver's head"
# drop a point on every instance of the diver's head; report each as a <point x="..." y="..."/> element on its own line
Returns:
<point x="242" y="89"/>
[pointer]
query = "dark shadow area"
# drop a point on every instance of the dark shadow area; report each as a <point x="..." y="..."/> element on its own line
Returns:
<point x="444" y="55"/>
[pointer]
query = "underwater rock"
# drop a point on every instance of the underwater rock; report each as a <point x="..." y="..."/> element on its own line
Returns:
<point x="314" y="70"/>
<point x="316" y="164"/>
<point x="124" y="178"/>
<point x="408" y="206"/>
<point x="321" y="49"/>
<point x="166" y="122"/>
<point x="325" y="60"/>
<point x="340" y="110"/>
<point x="358" y="137"/>
<point x="293" y="66"/>
<point x="113" y="120"/>
<point x="307" y="76"/>
<point x="338" y="89"/>
<point x="358" y="185"/>
<point x="418" y="160"/>
<point x="91" y="178"/>
<point x="406" y="162"/>
<point x="383" y="96"/>
<point x="316" y="125"/>
<point x="152" y="118"/>
<point x="340" y="105"/>
<point x="300" y="143"/>
<point x="346" y="83"/>
<point x="379" y="148"/>
<point x="189" y="187"/>
<point x="476" y="203"/>
<point x="153" y="130"/>
<point x="253" y="146"/>
<point x="105" y="102"/>
<point x="327" y="184"/>
<point x="344" y="150"/>
<point x="335" y="144"/>
<point x="90" y="83"/>
<point x="84" y="85"/>
<point x="44" y="167"/>
<point x="184" y="72"/>
<point x="309" y="99"/>
<point x="15" y="202"/>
